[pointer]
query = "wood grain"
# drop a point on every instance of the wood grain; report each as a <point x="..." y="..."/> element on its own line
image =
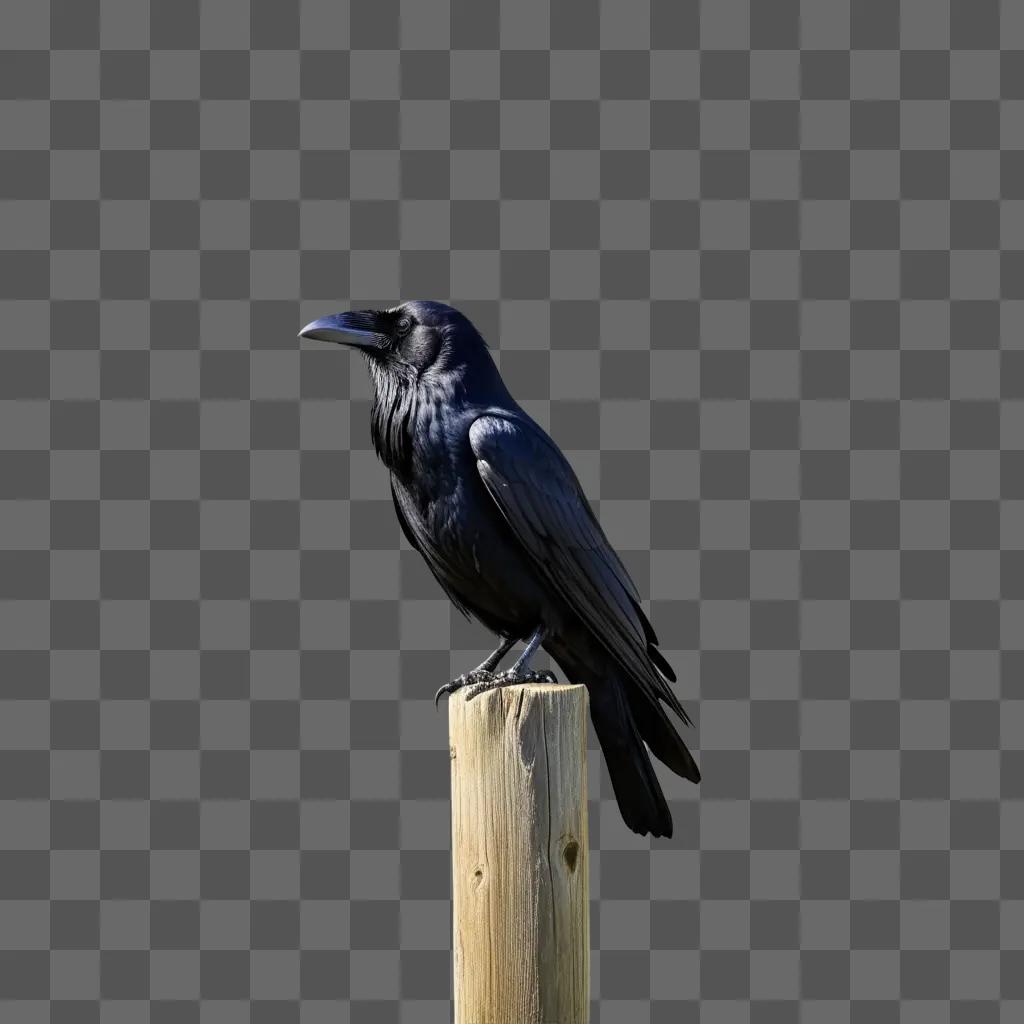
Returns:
<point x="520" y="863"/>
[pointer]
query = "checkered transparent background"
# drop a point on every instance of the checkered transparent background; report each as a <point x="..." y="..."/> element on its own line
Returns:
<point x="759" y="268"/>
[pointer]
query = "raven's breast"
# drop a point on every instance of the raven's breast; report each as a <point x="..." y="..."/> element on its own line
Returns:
<point x="488" y="571"/>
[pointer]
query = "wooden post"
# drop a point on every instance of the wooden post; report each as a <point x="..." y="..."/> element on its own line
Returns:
<point x="520" y="864"/>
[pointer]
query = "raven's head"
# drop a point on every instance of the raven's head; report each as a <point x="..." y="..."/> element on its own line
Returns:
<point x="420" y="354"/>
<point x="410" y="342"/>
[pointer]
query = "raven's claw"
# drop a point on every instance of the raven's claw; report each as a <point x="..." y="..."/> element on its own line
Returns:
<point x="509" y="678"/>
<point x="477" y="676"/>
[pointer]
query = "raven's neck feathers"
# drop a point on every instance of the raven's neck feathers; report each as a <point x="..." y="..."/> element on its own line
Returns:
<point x="407" y="408"/>
<point x="392" y="418"/>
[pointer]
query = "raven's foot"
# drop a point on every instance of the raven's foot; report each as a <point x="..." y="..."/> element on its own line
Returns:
<point x="477" y="676"/>
<point x="509" y="678"/>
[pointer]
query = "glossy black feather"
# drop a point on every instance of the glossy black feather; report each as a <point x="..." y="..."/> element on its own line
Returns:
<point x="538" y="494"/>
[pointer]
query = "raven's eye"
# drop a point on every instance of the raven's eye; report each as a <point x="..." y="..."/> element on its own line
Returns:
<point x="404" y="326"/>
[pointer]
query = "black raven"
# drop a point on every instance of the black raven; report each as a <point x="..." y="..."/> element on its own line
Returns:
<point x="494" y="508"/>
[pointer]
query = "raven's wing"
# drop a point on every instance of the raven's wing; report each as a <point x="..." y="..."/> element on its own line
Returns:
<point x="539" y="496"/>
<point x="420" y="539"/>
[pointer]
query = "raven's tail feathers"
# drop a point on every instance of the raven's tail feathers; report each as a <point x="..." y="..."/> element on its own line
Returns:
<point x="660" y="735"/>
<point x="660" y="663"/>
<point x="637" y="790"/>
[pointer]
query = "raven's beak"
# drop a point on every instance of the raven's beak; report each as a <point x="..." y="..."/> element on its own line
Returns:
<point x="359" y="328"/>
